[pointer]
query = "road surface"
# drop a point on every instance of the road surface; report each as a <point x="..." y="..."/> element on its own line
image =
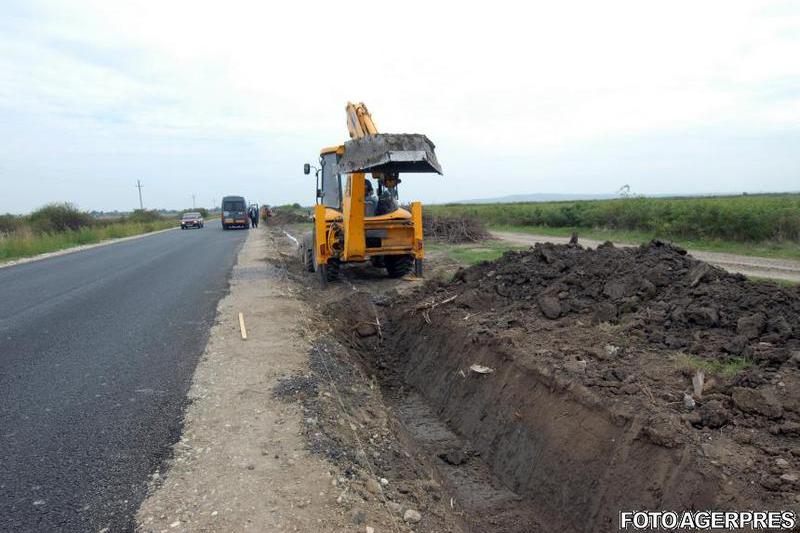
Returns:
<point x="97" y="350"/>
<point x="761" y="267"/>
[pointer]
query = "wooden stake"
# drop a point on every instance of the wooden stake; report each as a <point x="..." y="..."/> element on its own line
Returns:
<point x="241" y="326"/>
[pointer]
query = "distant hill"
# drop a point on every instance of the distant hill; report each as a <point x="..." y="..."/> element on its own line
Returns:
<point x="558" y="197"/>
<point x="541" y="197"/>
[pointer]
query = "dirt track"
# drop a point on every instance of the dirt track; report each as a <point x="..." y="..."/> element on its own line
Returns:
<point x="763" y="267"/>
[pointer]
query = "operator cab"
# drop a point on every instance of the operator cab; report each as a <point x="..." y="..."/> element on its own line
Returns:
<point x="330" y="185"/>
<point x="330" y="179"/>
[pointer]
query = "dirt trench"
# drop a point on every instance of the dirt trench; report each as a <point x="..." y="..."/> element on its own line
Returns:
<point x="550" y="389"/>
<point x="555" y="387"/>
<point x="520" y="448"/>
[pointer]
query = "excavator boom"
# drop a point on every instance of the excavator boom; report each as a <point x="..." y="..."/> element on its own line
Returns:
<point x="359" y="121"/>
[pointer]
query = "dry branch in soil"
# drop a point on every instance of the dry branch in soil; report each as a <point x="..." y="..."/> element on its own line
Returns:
<point x="454" y="229"/>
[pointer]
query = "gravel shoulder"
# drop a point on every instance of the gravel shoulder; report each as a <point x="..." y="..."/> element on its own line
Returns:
<point x="763" y="267"/>
<point x="240" y="464"/>
<point x="272" y="433"/>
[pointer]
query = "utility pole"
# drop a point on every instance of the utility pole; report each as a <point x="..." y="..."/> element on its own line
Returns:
<point x="193" y="206"/>
<point x="139" y="186"/>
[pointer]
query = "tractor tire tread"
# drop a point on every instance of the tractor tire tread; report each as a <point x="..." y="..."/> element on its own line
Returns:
<point x="398" y="266"/>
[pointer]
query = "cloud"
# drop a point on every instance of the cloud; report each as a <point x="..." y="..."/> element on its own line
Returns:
<point x="519" y="97"/>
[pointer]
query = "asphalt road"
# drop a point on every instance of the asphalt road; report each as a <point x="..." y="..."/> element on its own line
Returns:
<point x="97" y="350"/>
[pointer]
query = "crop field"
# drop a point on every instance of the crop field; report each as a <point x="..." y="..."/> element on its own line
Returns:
<point x="770" y="223"/>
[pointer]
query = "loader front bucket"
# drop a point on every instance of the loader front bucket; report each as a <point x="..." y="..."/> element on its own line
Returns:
<point x="390" y="153"/>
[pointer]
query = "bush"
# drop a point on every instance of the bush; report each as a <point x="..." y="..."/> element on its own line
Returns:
<point x="56" y="218"/>
<point x="143" y="216"/>
<point x="10" y="223"/>
<point x="202" y="210"/>
<point x="454" y="228"/>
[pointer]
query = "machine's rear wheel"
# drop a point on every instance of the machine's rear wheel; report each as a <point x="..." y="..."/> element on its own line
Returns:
<point x="329" y="272"/>
<point x="307" y="252"/>
<point x="308" y="260"/>
<point x="398" y="266"/>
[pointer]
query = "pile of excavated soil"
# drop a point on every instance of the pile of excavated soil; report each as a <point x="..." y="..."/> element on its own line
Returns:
<point x="288" y="216"/>
<point x="656" y="291"/>
<point x="575" y="374"/>
<point x="454" y="229"/>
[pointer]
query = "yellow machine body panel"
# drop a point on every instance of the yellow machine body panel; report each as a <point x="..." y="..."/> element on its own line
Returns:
<point x="353" y="210"/>
<point x="332" y="150"/>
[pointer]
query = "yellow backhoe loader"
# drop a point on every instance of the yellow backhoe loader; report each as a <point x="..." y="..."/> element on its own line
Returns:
<point x="351" y="224"/>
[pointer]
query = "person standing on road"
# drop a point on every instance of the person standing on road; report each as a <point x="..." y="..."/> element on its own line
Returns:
<point x="253" y="213"/>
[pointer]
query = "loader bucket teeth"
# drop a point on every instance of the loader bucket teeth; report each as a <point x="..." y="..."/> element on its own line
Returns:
<point x="390" y="153"/>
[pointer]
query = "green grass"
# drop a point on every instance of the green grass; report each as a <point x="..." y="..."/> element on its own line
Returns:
<point x="780" y="282"/>
<point x="781" y="250"/>
<point x="26" y="243"/>
<point x="750" y="224"/>
<point x="472" y="253"/>
<point x="714" y="367"/>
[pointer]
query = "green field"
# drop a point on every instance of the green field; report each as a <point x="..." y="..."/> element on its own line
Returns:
<point x="59" y="226"/>
<point x="472" y="253"/>
<point x="26" y="244"/>
<point x="765" y="225"/>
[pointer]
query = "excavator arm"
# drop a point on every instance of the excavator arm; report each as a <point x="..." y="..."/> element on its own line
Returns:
<point x="359" y="121"/>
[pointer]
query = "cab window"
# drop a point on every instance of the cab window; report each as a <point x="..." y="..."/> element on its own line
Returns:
<point x="331" y="182"/>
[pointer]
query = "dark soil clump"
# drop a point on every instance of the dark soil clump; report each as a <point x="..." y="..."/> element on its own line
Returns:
<point x="288" y="216"/>
<point x="656" y="292"/>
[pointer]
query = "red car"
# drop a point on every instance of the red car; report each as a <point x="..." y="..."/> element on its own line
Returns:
<point x="191" y="220"/>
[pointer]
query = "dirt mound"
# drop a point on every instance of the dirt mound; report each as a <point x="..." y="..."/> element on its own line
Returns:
<point x="454" y="229"/>
<point x="657" y="292"/>
<point x="634" y="378"/>
<point x="289" y="216"/>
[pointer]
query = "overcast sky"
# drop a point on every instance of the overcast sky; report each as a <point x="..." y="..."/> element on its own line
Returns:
<point x="214" y="98"/>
